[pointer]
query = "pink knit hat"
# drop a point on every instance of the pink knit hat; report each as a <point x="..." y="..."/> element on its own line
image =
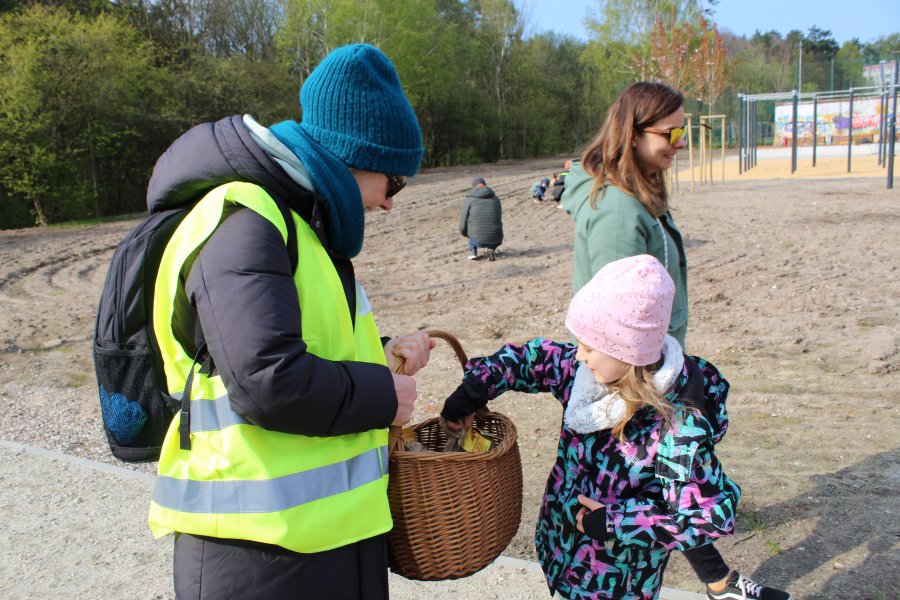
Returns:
<point x="624" y="310"/>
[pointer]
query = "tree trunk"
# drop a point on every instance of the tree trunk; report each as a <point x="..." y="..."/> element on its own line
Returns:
<point x="40" y="217"/>
<point x="94" y="170"/>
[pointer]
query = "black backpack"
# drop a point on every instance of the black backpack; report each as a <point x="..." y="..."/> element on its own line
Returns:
<point x="134" y="398"/>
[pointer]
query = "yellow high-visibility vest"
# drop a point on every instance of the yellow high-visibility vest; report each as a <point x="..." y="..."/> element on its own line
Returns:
<point x="238" y="480"/>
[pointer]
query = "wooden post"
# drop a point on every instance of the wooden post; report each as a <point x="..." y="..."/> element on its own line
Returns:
<point x="706" y="151"/>
<point x="690" y="132"/>
<point x="702" y="136"/>
<point x="723" y="149"/>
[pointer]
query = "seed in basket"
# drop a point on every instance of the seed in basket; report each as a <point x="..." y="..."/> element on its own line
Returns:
<point x="492" y="437"/>
<point x="476" y="441"/>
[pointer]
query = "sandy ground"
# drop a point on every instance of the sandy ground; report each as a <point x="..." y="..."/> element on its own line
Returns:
<point x="793" y="290"/>
<point x="76" y="529"/>
<point x="831" y="162"/>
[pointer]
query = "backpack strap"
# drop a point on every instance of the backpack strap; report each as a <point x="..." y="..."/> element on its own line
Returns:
<point x="184" y="427"/>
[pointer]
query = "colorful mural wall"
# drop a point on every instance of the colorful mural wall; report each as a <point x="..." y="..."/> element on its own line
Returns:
<point x="832" y="121"/>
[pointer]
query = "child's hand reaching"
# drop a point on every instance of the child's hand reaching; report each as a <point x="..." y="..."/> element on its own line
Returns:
<point x="591" y="519"/>
<point x="461" y="425"/>
<point x="460" y="406"/>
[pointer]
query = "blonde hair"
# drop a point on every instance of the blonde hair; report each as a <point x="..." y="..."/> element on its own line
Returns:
<point x="610" y="157"/>
<point x="637" y="389"/>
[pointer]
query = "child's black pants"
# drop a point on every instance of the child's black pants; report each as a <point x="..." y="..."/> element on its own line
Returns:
<point x="707" y="563"/>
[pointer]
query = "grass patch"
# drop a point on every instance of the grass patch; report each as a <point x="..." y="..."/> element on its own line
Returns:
<point x="771" y="420"/>
<point x="826" y="366"/>
<point x="757" y="415"/>
<point x="776" y="388"/>
<point x="96" y="221"/>
<point x="867" y="322"/>
<point x="752" y="520"/>
<point x="773" y="547"/>
<point x="73" y="379"/>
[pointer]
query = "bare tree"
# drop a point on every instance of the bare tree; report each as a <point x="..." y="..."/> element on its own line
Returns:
<point x="670" y="55"/>
<point x="708" y="64"/>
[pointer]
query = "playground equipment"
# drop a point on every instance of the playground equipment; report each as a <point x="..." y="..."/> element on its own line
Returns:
<point x="705" y="152"/>
<point x="748" y="132"/>
<point x="706" y="146"/>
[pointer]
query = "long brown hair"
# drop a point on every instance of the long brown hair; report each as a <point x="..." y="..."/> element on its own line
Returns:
<point x="610" y="157"/>
<point x="637" y="389"/>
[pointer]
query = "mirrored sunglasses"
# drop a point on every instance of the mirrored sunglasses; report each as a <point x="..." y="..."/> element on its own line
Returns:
<point x="675" y="134"/>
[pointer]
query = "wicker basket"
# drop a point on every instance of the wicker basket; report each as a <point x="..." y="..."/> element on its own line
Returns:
<point x="453" y="512"/>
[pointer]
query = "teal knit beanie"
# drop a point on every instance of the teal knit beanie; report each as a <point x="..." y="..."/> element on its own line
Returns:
<point x="355" y="114"/>
<point x="353" y="106"/>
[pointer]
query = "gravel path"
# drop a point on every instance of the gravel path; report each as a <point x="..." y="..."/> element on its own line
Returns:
<point x="76" y="529"/>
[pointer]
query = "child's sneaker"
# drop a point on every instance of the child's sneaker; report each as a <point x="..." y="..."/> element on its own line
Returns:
<point x="739" y="587"/>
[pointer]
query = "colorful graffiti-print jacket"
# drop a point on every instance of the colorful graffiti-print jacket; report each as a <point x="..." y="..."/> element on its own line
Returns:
<point x="663" y="487"/>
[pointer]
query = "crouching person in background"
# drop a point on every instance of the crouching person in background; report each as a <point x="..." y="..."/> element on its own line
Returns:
<point x="482" y="220"/>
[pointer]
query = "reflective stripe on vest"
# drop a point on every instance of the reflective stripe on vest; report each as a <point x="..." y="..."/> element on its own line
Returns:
<point x="245" y="482"/>
<point x="270" y="495"/>
<point x="213" y="415"/>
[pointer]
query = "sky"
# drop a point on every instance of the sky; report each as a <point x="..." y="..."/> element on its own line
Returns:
<point x="863" y="19"/>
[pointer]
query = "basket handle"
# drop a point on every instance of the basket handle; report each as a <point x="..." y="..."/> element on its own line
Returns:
<point x="395" y="432"/>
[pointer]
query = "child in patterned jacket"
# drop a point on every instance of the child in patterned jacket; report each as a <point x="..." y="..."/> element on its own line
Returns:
<point x="636" y="474"/>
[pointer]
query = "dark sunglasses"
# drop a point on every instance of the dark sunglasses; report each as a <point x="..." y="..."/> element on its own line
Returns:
<point x="675" y="134"/>
<point x="395" y="184"/>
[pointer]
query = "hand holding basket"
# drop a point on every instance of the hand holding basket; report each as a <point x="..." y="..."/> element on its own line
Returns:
<point x="453" y="512"/>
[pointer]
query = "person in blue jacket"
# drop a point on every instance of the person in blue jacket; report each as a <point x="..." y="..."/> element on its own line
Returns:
<point x="539" y="189"/>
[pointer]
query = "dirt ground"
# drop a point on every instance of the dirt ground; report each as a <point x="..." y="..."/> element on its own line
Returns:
<point x="793" y="295"/>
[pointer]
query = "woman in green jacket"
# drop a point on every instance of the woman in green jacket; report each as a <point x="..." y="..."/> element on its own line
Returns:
<point x="618" y="198"/>
<point x="617" y="194"/>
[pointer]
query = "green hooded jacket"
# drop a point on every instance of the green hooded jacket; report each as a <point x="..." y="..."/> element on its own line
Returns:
<point x="619" y="227"/>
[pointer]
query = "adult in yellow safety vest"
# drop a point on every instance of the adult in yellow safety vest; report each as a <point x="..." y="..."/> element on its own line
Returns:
<point x="273" y="477"/>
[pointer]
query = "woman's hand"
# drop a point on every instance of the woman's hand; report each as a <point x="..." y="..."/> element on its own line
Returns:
<point x="413" y="348"/>
<point x="588" y="506"/>
<point x="405" y="386"/>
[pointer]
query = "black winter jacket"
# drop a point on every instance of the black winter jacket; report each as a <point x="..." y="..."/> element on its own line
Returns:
<point x="239" y="296"/>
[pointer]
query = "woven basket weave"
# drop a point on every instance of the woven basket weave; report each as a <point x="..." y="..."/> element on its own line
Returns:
<point x="453" y="512"/>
